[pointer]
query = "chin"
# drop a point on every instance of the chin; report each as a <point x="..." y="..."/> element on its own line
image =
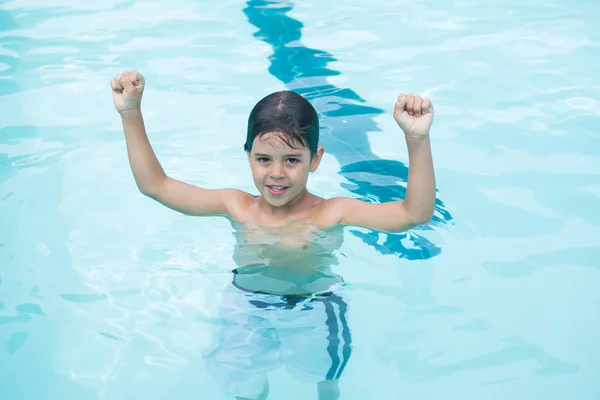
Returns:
<point x="276" y="203"/>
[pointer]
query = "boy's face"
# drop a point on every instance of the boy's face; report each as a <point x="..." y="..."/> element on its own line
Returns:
<point x="280" y="172"/>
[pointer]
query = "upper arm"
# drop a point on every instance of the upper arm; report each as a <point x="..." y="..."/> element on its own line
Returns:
<point x="193" y="200"/>
<point x="387" y="217"/>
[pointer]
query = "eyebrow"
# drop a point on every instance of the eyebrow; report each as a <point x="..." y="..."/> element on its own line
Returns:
<point x="287" y="155"/>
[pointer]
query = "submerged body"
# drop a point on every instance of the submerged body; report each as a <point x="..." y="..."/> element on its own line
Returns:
<point x="285" y="306"/>
<point x="295" y="258"/>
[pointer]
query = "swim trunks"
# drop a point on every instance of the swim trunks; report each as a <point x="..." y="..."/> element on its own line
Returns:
<point x="259" y="332"/>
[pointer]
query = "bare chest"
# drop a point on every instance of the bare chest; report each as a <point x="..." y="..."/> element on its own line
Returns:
<point x="294" y="243"/>
<point x="290" y="237"/>
<point x="295" y="258"/>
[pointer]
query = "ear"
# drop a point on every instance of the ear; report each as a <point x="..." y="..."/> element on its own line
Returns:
<point x="316" y="159"/>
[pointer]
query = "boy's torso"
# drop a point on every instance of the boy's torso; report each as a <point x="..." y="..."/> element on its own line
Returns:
<point x="292" y="256"/>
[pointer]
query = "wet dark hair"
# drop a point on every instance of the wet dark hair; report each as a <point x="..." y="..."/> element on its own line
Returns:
<point x="286" y="112"/>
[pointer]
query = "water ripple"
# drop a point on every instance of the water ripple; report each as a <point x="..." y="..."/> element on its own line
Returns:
<point x="126" y="293"/>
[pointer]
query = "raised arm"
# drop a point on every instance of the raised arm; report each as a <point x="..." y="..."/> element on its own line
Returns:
<point x="414" y="115"/>
<point x="149" y="175"/>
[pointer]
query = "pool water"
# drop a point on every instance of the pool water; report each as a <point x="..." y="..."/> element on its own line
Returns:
<point x="105" y="294"/>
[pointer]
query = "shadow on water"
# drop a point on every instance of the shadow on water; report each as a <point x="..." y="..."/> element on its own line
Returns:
<point x="345" y="121"/>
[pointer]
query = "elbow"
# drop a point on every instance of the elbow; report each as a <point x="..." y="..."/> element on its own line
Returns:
<point x="422" y="218"/>
<point x="148" y="192"/>
<point x="418" y="215"/>
<point x="409" y="219"/>
<point x="151" y="191"/>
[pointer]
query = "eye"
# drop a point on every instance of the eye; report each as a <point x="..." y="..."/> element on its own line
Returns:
<point x="263" y="160"/>
<point x="293" y="160"/>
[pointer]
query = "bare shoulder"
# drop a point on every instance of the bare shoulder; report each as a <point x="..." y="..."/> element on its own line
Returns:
<point x="237" y="203"/>
<point x="337" y="202"/>
<point x="329" y="212"/>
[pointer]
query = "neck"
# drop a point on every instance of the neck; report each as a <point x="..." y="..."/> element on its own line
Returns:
<point x="295" y="206"/>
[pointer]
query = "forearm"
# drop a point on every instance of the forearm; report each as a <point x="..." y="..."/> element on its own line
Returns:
<point x="420" y="192"/>
<point x="147" y="171"/>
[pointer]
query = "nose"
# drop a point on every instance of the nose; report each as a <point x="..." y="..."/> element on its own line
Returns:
<point x="276" y="171"/>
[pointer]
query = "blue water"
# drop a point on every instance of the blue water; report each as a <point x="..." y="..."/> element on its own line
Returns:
<point x="105" y="294"/>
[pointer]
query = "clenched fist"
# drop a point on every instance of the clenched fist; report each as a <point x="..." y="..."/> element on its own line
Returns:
<point x="127" y="90"/>
<point x="414" y="115"/>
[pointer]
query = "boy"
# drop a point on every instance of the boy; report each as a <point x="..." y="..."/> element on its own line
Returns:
<point x="286" y="236"/>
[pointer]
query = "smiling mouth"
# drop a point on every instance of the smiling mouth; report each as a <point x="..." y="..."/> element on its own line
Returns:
<point x="276" y="190"/>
